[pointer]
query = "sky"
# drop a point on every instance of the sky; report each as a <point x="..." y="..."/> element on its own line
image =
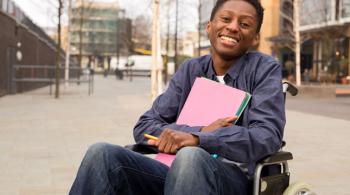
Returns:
<point x="44" y="12"/>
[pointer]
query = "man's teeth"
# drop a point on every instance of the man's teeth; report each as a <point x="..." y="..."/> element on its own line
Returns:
<point x="229" y="39"/>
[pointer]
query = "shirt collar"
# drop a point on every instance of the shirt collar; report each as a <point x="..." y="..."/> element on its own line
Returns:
<point x="232" y="72"/>
<point x="235" y="69"/>
<point x="211" y="73"/>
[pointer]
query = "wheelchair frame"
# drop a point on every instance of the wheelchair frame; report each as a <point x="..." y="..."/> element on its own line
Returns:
<point x="262" y="185"/>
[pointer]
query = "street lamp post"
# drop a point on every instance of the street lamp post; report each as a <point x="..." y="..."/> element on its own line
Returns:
<point x="199" y="26"/>
<point x="297" y="42"/>
<point x="120" y="22"/>
<point x="58" y="57"/>
<point x="68" y="45"/>
<point x="176" y="23"/>
<point x="118" y="41"/>
<point x="156" y="67"/>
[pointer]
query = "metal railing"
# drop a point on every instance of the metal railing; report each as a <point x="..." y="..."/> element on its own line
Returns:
<point x="84" y="75"/>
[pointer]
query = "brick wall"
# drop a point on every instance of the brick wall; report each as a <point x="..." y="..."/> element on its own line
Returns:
<point x="35" y="51"/>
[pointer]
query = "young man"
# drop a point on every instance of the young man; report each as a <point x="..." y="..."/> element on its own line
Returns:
<point x="233" y="29"/>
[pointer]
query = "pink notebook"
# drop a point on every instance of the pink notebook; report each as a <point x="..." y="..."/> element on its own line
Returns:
<point x="208" y="101"/>
<point x="166" y="159"/>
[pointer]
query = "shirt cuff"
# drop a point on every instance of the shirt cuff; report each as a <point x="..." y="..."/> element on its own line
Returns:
<point x="207" y="141"/>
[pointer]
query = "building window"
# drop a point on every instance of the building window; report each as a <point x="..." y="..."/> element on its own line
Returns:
<point x="315" y="12"/>
<point x="345" y="5"/>
<point x="287" y="17"/>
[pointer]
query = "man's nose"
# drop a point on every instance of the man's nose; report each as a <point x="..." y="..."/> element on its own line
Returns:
<point x="233" y="26"/>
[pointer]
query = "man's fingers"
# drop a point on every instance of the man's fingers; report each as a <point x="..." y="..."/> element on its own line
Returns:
<point x="168" y="147"/>
<point x="170" y="141"/>
<point x="174" y="149"/>
<point x="228" y="124"/>
<point x="230" y="119"/>
<point x="151" y="142"/>
<point x="161" y="145"/>
<point x="162" y="140"/>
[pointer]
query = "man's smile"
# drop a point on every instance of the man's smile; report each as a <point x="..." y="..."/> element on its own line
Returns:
<point x="228" y="40"/>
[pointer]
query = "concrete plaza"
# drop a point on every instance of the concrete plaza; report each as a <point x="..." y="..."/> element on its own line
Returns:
<point x="42" y="139"/>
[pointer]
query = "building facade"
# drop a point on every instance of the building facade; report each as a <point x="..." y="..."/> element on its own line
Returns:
<point x="24" y="43"/>
<point x="270" y="26"/>
<point x="99" y="31"/>
<point x="325" y="32"/>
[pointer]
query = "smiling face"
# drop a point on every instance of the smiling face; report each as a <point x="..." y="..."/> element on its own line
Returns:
<point x="233" y="30"/>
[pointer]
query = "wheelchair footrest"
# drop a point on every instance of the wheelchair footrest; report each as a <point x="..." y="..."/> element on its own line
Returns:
<point x="274" y="185"/>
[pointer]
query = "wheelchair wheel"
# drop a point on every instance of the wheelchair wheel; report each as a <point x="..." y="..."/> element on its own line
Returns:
<point x="298" y="188"/>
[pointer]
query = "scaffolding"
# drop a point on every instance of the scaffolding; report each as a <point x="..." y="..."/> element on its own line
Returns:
<point x="101" y="30"/>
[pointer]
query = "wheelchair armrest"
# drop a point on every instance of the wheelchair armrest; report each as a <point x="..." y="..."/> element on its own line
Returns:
<point x="289" y="87"/>
<point x="142" y="148"/>
<point x="278" y="157"/>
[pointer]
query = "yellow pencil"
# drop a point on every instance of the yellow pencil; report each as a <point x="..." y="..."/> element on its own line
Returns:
<point x="150" y="136"/>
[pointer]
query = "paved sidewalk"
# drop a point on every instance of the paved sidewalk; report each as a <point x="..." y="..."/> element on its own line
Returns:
<point x="321" y="148"/>
<point x="337" y="108"/>
<point x="42" y="140"/>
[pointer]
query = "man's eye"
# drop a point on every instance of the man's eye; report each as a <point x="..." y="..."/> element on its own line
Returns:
<point x="244" y="25"/>
<point x="225" y="19"/>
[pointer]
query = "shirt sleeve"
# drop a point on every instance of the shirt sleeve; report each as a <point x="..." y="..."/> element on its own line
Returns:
<point x="264" y="121"/>
<point x="165" y="109"/>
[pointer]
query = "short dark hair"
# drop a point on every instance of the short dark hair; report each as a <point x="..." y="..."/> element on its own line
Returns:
<point x="255" y="3"/>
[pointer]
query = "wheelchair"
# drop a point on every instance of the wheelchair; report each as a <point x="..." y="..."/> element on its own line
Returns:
<point x="271" y="175"/>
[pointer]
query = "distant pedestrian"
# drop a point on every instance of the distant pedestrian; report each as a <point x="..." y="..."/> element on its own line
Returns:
<point x="306" y="75"/>
<point x="290" y="66"/>
<point x="118" y="74"/>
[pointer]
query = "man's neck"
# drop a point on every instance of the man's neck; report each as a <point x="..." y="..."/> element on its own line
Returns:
<point x="221" y="66"/>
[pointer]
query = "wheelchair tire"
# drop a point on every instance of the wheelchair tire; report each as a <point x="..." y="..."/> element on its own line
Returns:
<point x="298" y="188"/>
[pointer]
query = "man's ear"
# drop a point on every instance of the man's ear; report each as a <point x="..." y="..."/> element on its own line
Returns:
<point x="208" y="27"/>
<point x="256" y="40"/>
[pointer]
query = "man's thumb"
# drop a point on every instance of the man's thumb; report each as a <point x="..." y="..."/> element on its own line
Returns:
<point x="151" y="142"/>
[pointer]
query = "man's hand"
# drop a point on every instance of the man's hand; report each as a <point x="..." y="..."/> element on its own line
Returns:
<point x="170" y="141"/>
<point x="224" y="122"/>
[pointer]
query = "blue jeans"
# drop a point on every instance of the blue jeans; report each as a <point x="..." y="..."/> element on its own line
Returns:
<point x="110" y="169"/>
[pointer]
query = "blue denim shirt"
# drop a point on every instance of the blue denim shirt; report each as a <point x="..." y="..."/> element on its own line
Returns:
<point x="259" y="130"/>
